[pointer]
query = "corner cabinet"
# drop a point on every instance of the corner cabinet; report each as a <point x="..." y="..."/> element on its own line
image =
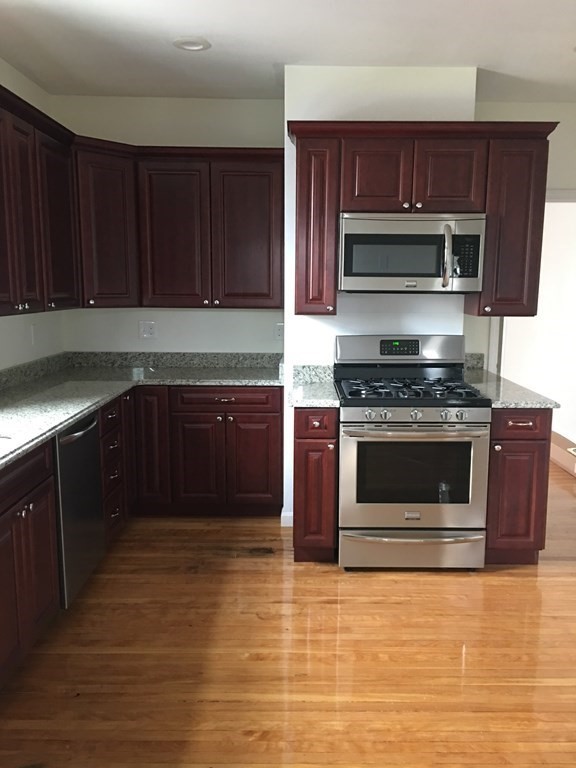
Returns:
<point x="423" y="167"/>
<point x="315" y="483"/>
<point x="518" y="485"/>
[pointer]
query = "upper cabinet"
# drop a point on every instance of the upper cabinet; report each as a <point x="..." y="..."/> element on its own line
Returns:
<point x="211" y="229"/>
<point x="429" y="167"/>
<point x="411" y="176"/>
<point x="106" y="177"/>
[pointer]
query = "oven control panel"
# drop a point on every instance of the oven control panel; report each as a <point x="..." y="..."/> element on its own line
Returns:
<point x="399" y="347"/>
<point x="391" y="415"/>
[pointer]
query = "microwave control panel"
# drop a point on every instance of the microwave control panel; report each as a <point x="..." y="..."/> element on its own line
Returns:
<point x="466" y="251"/>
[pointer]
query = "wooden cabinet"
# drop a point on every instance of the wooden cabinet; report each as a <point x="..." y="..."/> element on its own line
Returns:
<point x="153" y="449"/>
<point x="113" y="462"/>
<point x="128" y="418"/>
<point x="211" y="230"/>
<point x="514" y="224"/>
<point x="422" y="175"/>
<point x="107" y="224"/>
<point x="518" y="485"/>
<point x="315" y="483"/>
<point x="57" y="223"/>
<point x="492" y="167"/>
<point x="21" y="285"/>
<point x="29" y="587"/>
<point x="227" y="450"/>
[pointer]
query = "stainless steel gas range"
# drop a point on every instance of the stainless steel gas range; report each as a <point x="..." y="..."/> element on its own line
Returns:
<point x="414" y="440"/>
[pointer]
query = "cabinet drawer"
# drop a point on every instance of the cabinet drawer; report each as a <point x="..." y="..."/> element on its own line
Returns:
<point x="229" y="399"/>
<point x="521" y="424"/>
<point x="111" y="446"/>
<point x="112" y="475"/>
<point x="316" y="422"/>
<point x="114" y="510"/>
<point x="19" y="477"/>
<point x="110" y="416"/>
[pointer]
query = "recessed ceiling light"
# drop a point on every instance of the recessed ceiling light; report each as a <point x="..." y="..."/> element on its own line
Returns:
<point x="192" y="43"/>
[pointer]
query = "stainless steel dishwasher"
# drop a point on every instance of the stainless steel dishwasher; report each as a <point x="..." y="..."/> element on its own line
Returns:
<point x="81" y="525"/>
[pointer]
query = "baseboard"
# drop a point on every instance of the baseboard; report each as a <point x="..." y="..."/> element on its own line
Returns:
<point x="560" y="455"/>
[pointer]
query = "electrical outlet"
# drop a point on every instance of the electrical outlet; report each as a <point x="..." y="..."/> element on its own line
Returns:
<point x="147" y="329"/>
<point x="279" y="331"/>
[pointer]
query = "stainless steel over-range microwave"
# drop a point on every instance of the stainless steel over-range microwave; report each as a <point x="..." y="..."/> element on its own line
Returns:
<point x="411" y="252"/>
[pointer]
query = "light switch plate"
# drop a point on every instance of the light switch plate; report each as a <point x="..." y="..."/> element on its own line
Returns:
<point x="147" y="329"/>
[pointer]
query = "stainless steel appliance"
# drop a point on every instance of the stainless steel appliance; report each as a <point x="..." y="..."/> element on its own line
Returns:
<point x="414" y="443"/>
<point x="81" y="524"/>
<point x="411" y="252"/>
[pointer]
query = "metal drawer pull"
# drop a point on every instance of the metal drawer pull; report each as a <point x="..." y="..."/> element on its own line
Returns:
<point x="315" y="424"/>
<point x="114" y="476"/>
<point x="225" y="399"/>
<point x="385" y="540"/>
<point x="116" y="513"/>
<point x="112" y="415"/>
<point x="113" y="445"/>
<point x="520" y="423"/>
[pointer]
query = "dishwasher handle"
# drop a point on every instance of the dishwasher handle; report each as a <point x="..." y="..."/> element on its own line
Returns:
<point x="67" y="439"/>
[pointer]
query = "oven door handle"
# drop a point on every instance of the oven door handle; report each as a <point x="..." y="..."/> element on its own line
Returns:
<point x="415" y="434"/>
<point x="442" y="540"/>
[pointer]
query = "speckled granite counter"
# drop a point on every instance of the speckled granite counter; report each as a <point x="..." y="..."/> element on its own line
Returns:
<point x="35" y="412"/>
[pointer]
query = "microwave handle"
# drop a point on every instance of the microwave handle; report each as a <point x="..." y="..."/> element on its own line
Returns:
<point x="448" y="256"/>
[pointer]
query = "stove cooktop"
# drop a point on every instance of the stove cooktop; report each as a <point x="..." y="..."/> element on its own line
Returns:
<point x="409" y="391"/>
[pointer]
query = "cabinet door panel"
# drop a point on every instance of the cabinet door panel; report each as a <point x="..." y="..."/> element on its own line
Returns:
<point x="9" y="589"/>
<point x="254" y="466"/>
<point x="107" y="212"/>
<point x="175" y="234"/>
<point x="450" y="175"/>
<point x="153" y="441"/>
<point x="61" y="274"/>
<point x="314" y="494"/>
<point x="198" y="470"/>
<point x="8" y="280"/>
<point x="376" y="175"/>
<point x="247" y="233"/>
<point x="317" y="210"/>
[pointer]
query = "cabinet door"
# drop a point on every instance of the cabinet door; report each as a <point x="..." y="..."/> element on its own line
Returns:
<point x="317" y="212"/>
<point x="199" y="459"/>
<point x="128" y="411"/>
<point x="61" y="274"/>
<point x="8" y="280"/>
<point x="514" y="220"/>
<point x="450" y="175"/>
<point x="517" y="494"/>
<point x="108" y="234"/>
<point x="175" y="233"/>
<point x="153" y="445"/>
<point x="10" y="587"/>
<point x="377" y="175"/>
<point x="41" y="559"/>
<point x="254" y="459"/>
<point x="247" y="233"/>
<point x="23" y="195"/>
<point x="314" y="499"/>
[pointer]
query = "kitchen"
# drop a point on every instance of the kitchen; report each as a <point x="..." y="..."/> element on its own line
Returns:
<point x="311" y="93"/>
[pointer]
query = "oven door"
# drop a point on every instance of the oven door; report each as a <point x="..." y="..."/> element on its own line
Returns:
<point x="413" y="476"/>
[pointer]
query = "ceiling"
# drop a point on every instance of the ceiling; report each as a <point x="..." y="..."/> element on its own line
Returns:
<point x="523" y="49"/>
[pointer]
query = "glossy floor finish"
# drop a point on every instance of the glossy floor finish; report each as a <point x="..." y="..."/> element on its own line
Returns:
<point x="203" y="644"/>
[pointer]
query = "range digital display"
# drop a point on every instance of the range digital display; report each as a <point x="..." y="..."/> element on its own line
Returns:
<point x="399" y="347"/>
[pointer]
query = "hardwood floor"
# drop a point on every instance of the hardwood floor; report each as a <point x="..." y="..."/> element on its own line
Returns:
<point x="202" y="644"/>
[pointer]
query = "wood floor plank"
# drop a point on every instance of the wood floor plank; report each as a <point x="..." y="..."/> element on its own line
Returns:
<point x="202" y="644"/>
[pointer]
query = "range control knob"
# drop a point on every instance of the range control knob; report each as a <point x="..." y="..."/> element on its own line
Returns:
<point x="385" y="414"/>
<point x="415" y="415"/>
<point x="369" y="414"/>
<point x="461" y="415"/>
<point x="445" y="414"/>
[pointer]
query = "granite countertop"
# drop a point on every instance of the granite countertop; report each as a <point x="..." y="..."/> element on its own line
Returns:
<point x="35" y="412"/>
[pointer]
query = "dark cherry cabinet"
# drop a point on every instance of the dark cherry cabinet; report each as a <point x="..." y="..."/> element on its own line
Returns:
<point x="315" y="484"/>
<point x="107" y="224"/>
<point x="175" y="233"/>
<point x="21" y="286"/>
<point x="211" y="230"/>
<point x="422" y="175"/>
<point x="518" y="485"/>
<point x="317" y="211"/>
<point x="29" y="586"/>
<point x="113" y="463"/>
<point x="153" y="449"/>
<point x="57" y="223"/>
<point x="514" y="223"/>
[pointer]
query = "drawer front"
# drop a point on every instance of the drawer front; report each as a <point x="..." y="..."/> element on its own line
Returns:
<point x="112" y="475"/>
<point x="521" y="424"/>
<point x="19" y="477"/>
<point x="316" y="422"/>
<point x="114" y="509"/>
<point x="110" y="416"/>
<point x="111" y="447"/>
<point x="228" y="399"/>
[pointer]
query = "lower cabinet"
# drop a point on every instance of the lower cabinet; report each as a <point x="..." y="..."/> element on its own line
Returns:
<point x="29" y="585"/>
<point x="315" y="484"/>
<point x="113" y="468"/>
<point x="518" y="485"/>
<point x="209" y="450"/>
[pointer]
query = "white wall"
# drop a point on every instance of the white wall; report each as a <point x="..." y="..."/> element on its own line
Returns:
<point x="539" y="352"/>
<point x="24" y="338"/>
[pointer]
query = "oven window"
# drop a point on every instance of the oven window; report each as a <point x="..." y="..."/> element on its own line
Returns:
<point x="413" y="473"/>
<point x="393" y="255"/>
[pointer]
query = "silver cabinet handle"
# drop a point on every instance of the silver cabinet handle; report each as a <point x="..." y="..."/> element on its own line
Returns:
<point x="116" y="513"/>
<point x="216" y="302"/>
<point x="225" y="399"/>
<point x="113" y="445"/>
<point x="91" y="302"/>
<point x="114" y="475"/>
<point x="112" y="415"/>
<point x="418" y="205"/>
<point x="230" y="418"/>
<point x="487" y="309"/>
<point x="315" y="424"/>
<point x="331" y="446"/>
<point x="205" y="301"/>
<point x="330" y="308"/>
<point x="219" y="418"/>
<point x="448" y="257"/>
<point x="443" y="540"/>
<point x="405" y="205"/>
<point x="31" y="506"/>
<point x="520" y="423"/>
<point x="22" y="513"/>
<point x="497" y="447"/>
<point x="77" y="435"/>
